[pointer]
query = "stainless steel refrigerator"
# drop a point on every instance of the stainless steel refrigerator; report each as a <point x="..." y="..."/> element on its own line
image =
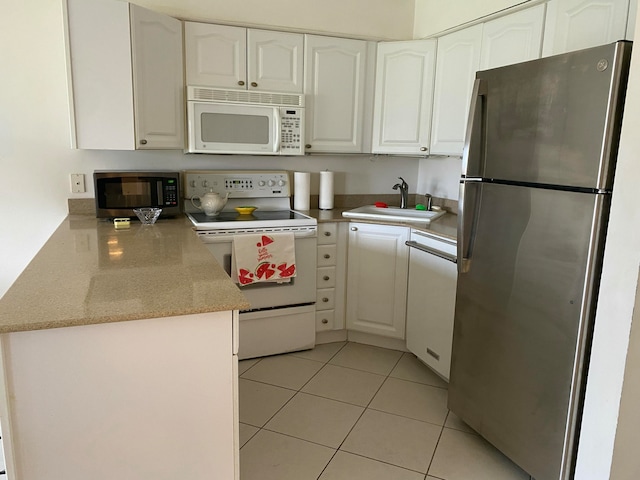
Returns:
<point x="537" y="180"/>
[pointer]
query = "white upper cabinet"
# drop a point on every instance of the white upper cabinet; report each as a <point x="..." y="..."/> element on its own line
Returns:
<point x="126" y="76"/>
<point x="458" y="59"/>
<point x="335" y="84"/>
<point x="215" y="55"/>
<point x="576" y="24"/>
<point x="239" y="58"/>
<point x="275" y="61"/>
<point x="512" y="39"/>
<point x="403" y="97"/>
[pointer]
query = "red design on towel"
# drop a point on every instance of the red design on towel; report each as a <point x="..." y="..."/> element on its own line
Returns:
<point x="245" y="277"/>
<point x="265" y="270"/>
<point x="286" y="271"/>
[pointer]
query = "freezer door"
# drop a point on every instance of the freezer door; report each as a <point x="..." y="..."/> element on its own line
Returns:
<point x="524" y="308"/>
<point x="555" y="120"/>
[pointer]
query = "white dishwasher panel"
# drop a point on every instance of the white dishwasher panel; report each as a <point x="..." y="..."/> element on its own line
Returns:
<point x="431" y="301"/>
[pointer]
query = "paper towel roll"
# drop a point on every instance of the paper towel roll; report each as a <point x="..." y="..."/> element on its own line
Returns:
<point x="325" y="201"/>
<point x="301" y="190"/>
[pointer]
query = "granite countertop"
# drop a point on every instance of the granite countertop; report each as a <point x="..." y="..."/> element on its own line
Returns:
<point x="445" y="227"/>
<point x="88" y="273"/>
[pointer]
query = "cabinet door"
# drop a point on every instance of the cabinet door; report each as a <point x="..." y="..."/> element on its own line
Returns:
<point x="334" y="85"/>
<point x="377" y="279"/>
<point x="577" y="24"/>
<point x="275" y="61"/>
<point x="431" y="304"/>
<point x="157" y="79"/>
<point x="215" y="55"/>
<point x="512" y="39"/>
<point x="403" y="97"/>
<point x="457" y="61"/>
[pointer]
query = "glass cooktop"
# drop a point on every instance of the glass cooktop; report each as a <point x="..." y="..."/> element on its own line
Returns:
<point x="257" y="215"/>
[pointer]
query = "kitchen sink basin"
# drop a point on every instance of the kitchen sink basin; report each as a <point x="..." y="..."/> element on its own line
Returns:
<point x="371" y="212"/>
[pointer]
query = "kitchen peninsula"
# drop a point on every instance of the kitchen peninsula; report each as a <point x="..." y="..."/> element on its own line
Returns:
<point x="119" y="356"/>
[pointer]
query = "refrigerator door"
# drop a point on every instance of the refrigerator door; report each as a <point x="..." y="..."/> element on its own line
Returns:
<point x="555" y="120"/>
<point x="524" y="308"/>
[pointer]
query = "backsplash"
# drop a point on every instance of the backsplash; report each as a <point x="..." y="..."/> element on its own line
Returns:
<point x="87" y="206"/>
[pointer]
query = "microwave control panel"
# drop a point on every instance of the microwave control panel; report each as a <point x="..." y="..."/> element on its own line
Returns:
<point x="292" y="131"/>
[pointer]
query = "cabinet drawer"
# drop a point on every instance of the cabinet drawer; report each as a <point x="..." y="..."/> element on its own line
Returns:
<point x="326" y="277"/>
<point x="327" y="233"/>
<point x="325" y="299"/>
<point x="324" y="320"/>
<point x="327" y="255"/>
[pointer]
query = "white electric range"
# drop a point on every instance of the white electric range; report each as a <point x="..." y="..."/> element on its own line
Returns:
<point x="282" y="315"/>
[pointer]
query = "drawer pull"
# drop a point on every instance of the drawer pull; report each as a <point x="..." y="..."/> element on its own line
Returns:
<point x="326" y="277"/>
<point x="433" y="354"/>
<point x="325" y="299"/>
<point x="325" y="321"/>
<point x="327" y="234"/>
<point x="326" y="255"/>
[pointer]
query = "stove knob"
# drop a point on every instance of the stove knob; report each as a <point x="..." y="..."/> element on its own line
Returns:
<point x="281" y="183"/>
<point x="261" y="183"/>
<point x="192" y="183"/>
<point x="205" y="183"/>
<point x="271" y="183"/>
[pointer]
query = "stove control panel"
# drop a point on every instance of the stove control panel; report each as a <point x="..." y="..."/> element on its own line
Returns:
<point x="238" y="183"/>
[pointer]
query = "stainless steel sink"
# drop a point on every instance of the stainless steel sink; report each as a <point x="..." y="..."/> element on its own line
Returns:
<point x="371" y="212"/>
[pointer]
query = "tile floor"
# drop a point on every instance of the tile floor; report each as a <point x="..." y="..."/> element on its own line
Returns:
<point x="346" y="411"/>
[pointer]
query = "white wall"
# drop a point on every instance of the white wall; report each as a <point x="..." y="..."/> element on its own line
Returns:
<point x="434" y="16"/>
<point x="617" y="297"/>
<point x="35" y="157"/>
<point x="378" y="19"/>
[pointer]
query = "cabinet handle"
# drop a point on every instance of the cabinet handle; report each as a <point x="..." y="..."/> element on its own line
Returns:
<point x="354" y="229"/>
<point x="307" y="146"/>
<point x="143" y="142"/>
<point x="326" y="255"/>
<point x="325" y="299"/>
<point x="326" y="277"/>
<point x="327" y="234"/>
<point x="240" y="82"/>
<point x="325" y="321"/>
<point x="254" y="84"/>
<point x="423" y="149"/>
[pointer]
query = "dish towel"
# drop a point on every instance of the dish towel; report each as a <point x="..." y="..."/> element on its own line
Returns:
<point x="264" y="258"/>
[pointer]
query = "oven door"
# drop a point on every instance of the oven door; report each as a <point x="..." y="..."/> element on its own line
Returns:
<point x="232" y="128"/>
<point x="300" y="290"/>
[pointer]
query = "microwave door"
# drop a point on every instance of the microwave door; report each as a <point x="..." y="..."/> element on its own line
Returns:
<point x="229" y="128"/>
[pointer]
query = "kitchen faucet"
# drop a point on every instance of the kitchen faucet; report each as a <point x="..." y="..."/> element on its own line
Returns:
<point x="404" y="192"/>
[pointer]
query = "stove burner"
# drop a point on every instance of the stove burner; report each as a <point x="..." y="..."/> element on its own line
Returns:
<point x="257" y="215"/>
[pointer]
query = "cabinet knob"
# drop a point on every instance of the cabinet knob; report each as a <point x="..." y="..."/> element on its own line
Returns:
<point x="254" y="84"/>
<point x="325" y="321"/>
<point x="326" y="255"/>
<point x="327" y="234"/>
<point x="423" y="149"/>
<point x="143" y="142"/>
<point x="325" y="299"/>
<point x="326" y="277"/>
<point x="241" y="83"/>
<point x="307" y="146"/>
<point x="354" y="229"/>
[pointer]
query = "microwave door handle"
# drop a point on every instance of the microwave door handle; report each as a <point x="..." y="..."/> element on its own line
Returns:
<point x="159" y="193"/>
<point x="277" y="131"/>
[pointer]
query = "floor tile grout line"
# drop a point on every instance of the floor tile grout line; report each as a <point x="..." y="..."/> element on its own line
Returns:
<point x="433" y="455"/>
<point x="383" y="461"/>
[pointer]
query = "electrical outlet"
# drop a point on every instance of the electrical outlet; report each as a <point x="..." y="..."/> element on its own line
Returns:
<point x="77" y="183"/>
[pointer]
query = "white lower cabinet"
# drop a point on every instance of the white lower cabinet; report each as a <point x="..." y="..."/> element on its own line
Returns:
<point x="431" y="300"/>
<point x="331" y="276"/>
<point x="377" y="279"/>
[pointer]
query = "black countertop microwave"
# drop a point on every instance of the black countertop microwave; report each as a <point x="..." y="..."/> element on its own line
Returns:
<point x="118" y="193"/>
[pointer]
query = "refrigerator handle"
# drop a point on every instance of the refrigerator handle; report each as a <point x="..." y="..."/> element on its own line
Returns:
<point x="467" y="213"/>
<point x="472" y="151"/>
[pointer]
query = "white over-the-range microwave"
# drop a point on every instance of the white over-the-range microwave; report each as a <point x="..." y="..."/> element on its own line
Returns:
<point x="244" y="122"/>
